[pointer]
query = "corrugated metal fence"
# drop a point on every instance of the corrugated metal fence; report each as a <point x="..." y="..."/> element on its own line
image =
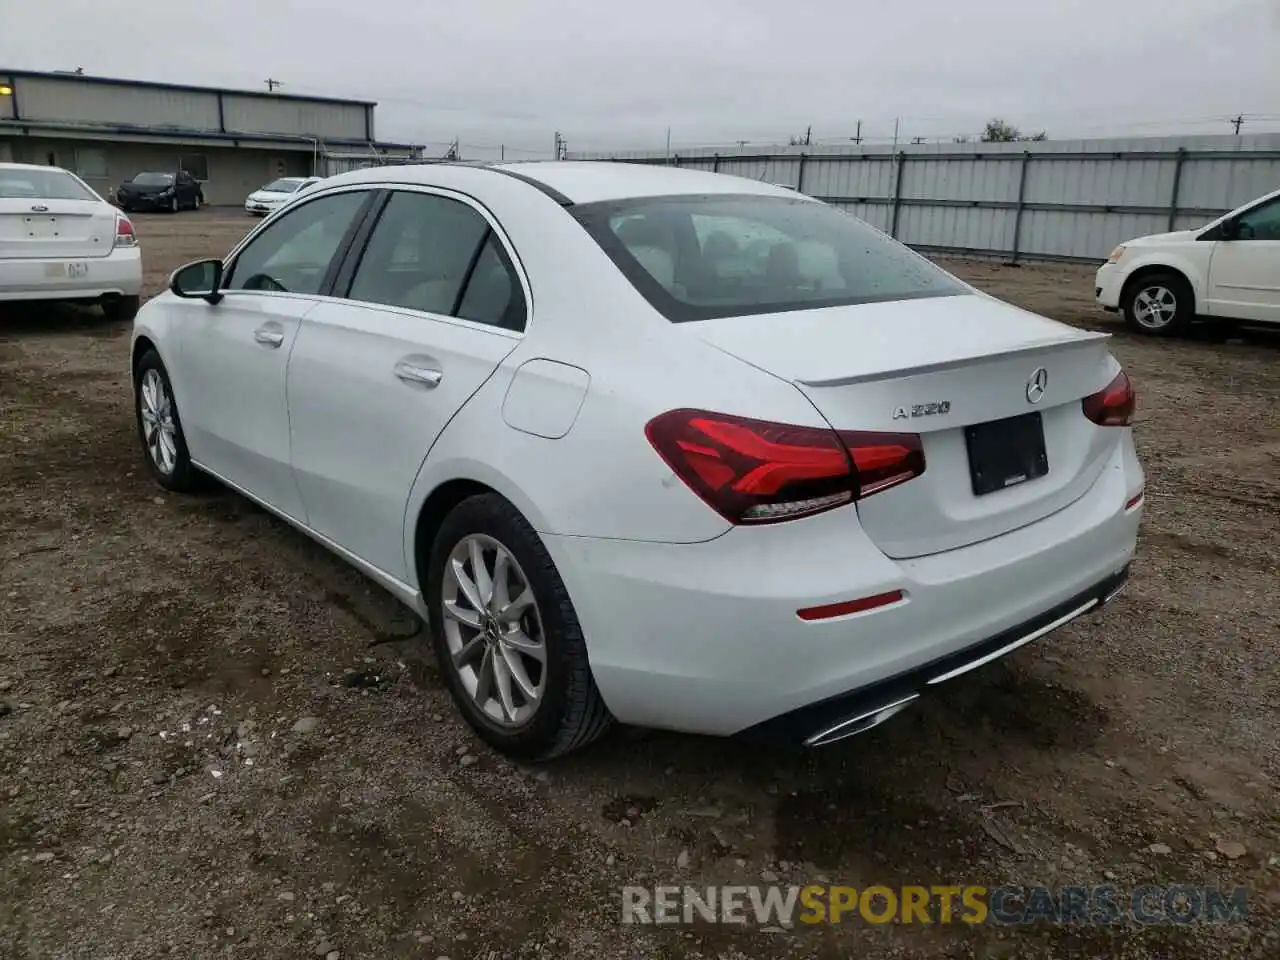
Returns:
<point x="1047" y="200"/>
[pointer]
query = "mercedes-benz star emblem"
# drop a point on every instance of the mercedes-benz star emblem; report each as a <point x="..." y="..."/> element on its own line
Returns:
<point x="1037" y="384"/>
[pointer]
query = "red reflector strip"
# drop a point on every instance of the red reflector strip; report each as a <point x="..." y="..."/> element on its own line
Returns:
<point x="1135" y="500"/>
<point x="847" y="607"/>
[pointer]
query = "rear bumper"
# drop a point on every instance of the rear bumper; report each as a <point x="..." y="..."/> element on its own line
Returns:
<point x="705" y="637"/>
<point x="117" y="274"/>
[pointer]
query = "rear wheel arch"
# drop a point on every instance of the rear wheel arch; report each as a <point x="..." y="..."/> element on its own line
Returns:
<point x="431" y="515"/>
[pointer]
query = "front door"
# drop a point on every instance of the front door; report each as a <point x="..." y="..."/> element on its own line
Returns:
<point x="1244" y="273"/>
<point x="234" y="354"/>
<point x="434" y="306"/>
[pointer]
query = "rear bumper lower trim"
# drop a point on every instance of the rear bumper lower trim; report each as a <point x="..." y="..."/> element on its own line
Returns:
<point x="859" y="710"/>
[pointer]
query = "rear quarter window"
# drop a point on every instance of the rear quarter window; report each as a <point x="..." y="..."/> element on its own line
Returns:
<point x="702" y="257"/>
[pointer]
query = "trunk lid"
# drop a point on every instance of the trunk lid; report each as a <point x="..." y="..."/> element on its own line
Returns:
<point x="55" y="229"/>
<point x="938" y="367"/>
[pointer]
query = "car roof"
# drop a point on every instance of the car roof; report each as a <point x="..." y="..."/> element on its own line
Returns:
<point x="580" y="181"/>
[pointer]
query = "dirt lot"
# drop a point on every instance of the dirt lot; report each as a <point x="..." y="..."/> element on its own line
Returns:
<point x="158" y="796"/>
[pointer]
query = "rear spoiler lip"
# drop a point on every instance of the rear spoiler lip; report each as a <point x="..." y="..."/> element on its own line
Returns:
<point x="1076" y="339"/>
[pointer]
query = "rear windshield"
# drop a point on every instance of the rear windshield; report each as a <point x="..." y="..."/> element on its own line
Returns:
<point x="282" y="186"/>
<point x="725" y="255"/>
<point x="153" y="179"/>
<point x="27" y="183"/>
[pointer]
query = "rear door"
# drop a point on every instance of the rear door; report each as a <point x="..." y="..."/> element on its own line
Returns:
<point x="49" y="214"/>
<point x="1244" y="273"/>
<point x="433" y="304"/>
<point x="230" y="372"/>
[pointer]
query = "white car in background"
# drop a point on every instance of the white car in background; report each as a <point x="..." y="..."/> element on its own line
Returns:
<point x="1226" y="271"/>
<point x="276" y="194"/>
<point x="672" y="447"/>
<point x="59" y="240"/>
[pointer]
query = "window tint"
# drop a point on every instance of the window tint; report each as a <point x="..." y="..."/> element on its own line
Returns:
<point x="1261" y="223"/>
<point x="698" y="257"/>
<point x="419" y="254"/>
<point x="493" y="293"/>
<point x="292" y="254"/>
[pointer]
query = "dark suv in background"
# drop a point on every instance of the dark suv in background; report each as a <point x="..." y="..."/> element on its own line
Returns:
<point x="160" y="191"/>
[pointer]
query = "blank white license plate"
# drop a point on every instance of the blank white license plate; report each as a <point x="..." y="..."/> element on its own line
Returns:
<point x="72" y="270"/>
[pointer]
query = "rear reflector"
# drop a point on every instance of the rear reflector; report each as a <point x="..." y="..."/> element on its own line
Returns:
<point x="1135" y="500"/>
<point x="1113" y="405"/>
<point x="755" y="471"/>
<point x="849" y="606"/>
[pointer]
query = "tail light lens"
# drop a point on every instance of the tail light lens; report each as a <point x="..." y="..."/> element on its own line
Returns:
<point x="1113" y="405"/>
<point x="125" y="237"/>
<point x="754" y="471"/>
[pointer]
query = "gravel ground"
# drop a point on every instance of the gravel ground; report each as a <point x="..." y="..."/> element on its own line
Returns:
<point x="216" y="740"/>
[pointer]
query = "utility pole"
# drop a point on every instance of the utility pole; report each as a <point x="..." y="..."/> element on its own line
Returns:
<point x="272" y="84"/>
<point x="808" y="136"/>
<point x="857" y="137"/>
<point x="502" y="151"/>
<point x="1238" y="122"/>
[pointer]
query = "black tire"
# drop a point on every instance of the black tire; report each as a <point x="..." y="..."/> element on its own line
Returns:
<point x="1174" y="296"/>
<point x="121" y="309"/>
<point x="197" y="202"/>
<point x="183" y="477"/>
<point x="173" y="205"/>
<point x="571" y="713"/>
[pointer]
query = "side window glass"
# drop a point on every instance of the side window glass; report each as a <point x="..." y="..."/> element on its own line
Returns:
<point x="419" y="254"/>
<point x="293" y="253"/>
<point x="493" y="293"/>
<point x="1261" y="223"/>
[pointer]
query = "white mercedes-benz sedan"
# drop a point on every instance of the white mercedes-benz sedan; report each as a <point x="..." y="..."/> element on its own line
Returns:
<point x="668" y="447"/>
<point x="59" y="240"/>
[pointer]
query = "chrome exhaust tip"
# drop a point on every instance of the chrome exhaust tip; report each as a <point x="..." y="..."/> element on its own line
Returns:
<point x="860" y="723"/>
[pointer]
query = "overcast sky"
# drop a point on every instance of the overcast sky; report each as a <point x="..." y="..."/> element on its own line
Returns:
<point x="609" y="74"/>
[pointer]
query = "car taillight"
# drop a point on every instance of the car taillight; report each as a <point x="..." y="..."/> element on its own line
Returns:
<point x="125" y="237"/>
<point x="754" y="471"/>
<point x="1113" y="405"/>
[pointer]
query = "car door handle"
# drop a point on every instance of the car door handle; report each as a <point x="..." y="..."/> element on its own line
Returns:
<point x="268" y="338"/>
<point x="417" y="373"/>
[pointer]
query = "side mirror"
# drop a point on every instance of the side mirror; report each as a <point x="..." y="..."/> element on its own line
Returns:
<point x="200" y="280"/>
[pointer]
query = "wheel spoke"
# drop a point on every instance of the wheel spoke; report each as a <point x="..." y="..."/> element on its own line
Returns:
<point x="484" y="585"/>
<point x="498" y="595"/>
<point x="470" y="618"/>
<point x="484" y="678"/>
<point x="466" y="585"/>
<point x="518" y="673"/>
<point x="168" y="447"/>
<point x="468" y="651"/>
<point x="521" y="642"/>
<point x="516" y="607"/>
<point x="502" y="680"/>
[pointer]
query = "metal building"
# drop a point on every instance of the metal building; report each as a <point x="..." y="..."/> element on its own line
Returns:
<point x="233" y="141"/>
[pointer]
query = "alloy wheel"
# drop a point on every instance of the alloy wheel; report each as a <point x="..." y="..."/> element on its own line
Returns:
<point x="1155" y="307"/>
<point x="159" y="431"/>
<point x="493" y="630"/>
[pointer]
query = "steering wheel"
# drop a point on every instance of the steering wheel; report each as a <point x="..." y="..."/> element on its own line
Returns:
<point x="263" y="281"/>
